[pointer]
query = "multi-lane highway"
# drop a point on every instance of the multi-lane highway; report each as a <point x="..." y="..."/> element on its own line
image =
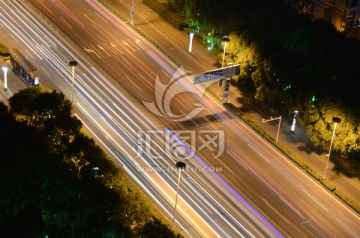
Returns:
<point x="250" y="190"/>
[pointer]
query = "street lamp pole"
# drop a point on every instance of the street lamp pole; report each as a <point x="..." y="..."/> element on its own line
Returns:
<point x="225" y="41"/>
<point x="272" y="119"/>
<point x="132" y="12"/>
<point x="73" y="64"/>
<point x="180" y="166"/>
<point x="335" y="120"/>
<point x="191" y="34"/>
<point x="5" y="70"/>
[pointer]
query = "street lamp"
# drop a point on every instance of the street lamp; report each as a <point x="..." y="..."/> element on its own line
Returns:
<point x="5" y="70"/>
<point x="180" y="166"/>
<point x="73" y="64"/>
<point x="272" y="119"/>
<point x="191" y="34"/>
<point x="294" y="120"/>
<point x="335" y="120"/>
<point x="225" y="41"/>
<point x="132" y="13"/>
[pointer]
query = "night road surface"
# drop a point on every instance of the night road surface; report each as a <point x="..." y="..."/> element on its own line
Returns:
<point x="257" y="193"/>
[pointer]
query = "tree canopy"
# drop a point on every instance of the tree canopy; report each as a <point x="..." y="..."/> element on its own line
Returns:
<point x="56" y="182"/>
<point x="289" y="62"/>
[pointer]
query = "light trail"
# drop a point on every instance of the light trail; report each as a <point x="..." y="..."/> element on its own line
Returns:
<point x="118" y="117"/>
<point x="254" y="211"/>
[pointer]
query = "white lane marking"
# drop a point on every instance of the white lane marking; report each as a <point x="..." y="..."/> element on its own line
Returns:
<point x="103" y="49"/>
<point x="101" y="17"/>
<point x="92" y="51"/>
<point x="237" y="159"/>
<point x="45" y="70"/>
<point x="28" y="53"/>
<point x="188" y="117"/>
<point x="259" y="154"/>
<point x="212" y="114"/>
<point x="131" y="81"/>
<point x="89" y="19"/>
<point x="115" y="47"/>
<point x="292" y="207"/>
<point x="275" y="210"/>
<point x="225" y="166"/>
<point x="127" y="44"/>
<point x="14" y="38"/>
<point x="315" y="200"/>
<point x="65" y="21"/>
<point x="167" y="75"/>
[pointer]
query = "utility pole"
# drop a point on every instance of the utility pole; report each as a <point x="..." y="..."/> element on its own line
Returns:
<point x="272" y="119"/>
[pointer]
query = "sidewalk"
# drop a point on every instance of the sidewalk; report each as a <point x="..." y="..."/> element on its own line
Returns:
<point x="175" y="44"/>
<point x="14" y="82"/>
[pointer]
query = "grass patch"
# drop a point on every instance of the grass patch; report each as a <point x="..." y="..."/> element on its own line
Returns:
<point x="163" y="10"/>
<point x="4" y="50"/>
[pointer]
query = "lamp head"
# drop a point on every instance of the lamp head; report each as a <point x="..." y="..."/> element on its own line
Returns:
<point x="180" y="165"/>
<point x="336" y="120"/>
<point x="225" y="40"/>
<point x="73" y="63"/>
<point x="5" y="69"/>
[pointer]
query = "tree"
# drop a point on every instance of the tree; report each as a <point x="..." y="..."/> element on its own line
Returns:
<point x="286" y="58"/>
<point x="50" y="112"/>
<point x="347" y="139"/>
<point x="41" y="195"/>
<point x="155" y="228"/>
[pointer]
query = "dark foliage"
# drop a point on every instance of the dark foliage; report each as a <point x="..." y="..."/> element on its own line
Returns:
<point x="57" y="182"/>
<point x="294" y="63"/>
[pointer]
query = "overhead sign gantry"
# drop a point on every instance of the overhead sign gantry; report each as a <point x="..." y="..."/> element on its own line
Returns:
<point x="219" y="75"/>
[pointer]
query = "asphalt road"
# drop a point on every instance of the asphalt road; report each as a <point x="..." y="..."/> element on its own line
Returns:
<point x="257" y="192"/>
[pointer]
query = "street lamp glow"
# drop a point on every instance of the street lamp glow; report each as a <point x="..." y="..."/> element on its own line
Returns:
<point x="191" y="34"/>
<point x="225" y="41"/>
<point x="296" y="112"/>
<point x="73" y="64"/>
<point x="5" y="70"/>
<point x="180" y="166"/>
<point x="335" y="120"/>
